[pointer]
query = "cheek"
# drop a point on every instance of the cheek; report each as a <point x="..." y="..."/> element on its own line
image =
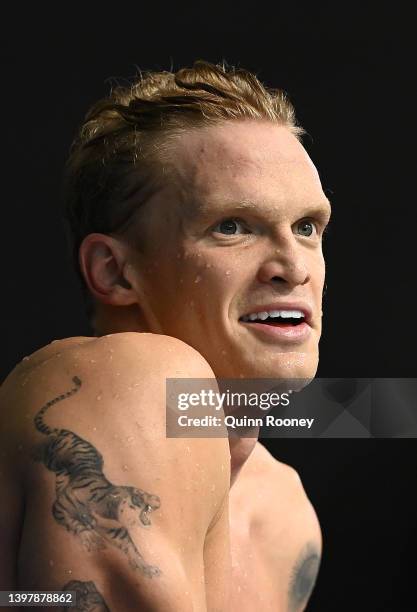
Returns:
<point x="318" y="272"/>
<point x="216" y="274"/>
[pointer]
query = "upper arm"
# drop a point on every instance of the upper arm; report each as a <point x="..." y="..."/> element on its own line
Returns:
<point x="111" y="503"/>
<point x="11" y="513"/>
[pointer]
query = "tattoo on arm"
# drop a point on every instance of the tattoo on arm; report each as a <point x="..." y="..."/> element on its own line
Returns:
<point x="88" y="598"/>
<point x="87" y="504"/>
<point x="303" y="578"/>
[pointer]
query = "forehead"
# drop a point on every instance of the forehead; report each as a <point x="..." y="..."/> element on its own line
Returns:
<point x="244" y="161"/>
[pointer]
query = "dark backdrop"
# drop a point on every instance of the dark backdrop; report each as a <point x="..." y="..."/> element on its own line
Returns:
<point x="347" y="69"/>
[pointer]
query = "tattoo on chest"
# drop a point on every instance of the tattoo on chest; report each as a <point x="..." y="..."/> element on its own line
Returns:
<point x="87" y="504"/>
<point x="88" y="598"/>
<point x="303" y="578"/>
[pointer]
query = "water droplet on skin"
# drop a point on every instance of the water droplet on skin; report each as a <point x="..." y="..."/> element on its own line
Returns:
<point x="116" y="396"/>
<point x="26" y="358"/>
<point x="197" y="278"/>
<point x="208" y="266"/>
<point x="130" y="439"/>
<point x="98" y="397"/>
<point x="92" y="361"/>
<point x="181" y="280"/>
<point x="224" y="352"/>
<point x="117" y="373"/>
<point x="125" y="468"/>
<point x="227" y="273"/>
<point x="94" y="428"/>
<point x="68" y="571"/>
<point x="111" y="351"/>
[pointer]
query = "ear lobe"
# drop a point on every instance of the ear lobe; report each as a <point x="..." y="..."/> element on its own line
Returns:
<point x="102" y="261"/>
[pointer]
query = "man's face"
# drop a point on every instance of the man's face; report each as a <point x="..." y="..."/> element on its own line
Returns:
<point x="237" y="232"/>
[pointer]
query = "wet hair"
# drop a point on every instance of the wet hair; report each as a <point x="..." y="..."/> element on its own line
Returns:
<point x="120" y="154"/>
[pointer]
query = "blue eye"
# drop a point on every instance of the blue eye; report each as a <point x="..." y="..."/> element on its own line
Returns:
<point x="306" y="228"/>
<point x="228" y="226"/>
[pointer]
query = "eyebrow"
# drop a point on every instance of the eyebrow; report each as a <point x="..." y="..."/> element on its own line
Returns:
<point x="323" y="208"/>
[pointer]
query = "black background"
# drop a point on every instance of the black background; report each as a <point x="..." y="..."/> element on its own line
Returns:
<point x="348" y="70"/>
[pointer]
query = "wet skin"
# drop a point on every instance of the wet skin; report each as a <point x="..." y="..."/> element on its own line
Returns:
<point x="238" y="224"/>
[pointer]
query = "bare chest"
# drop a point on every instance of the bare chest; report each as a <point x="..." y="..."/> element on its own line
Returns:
<point x="275" y="544"/>
<point x="261" y="567"/>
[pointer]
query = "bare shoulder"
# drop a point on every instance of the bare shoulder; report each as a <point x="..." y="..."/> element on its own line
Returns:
<point x="113" y="386"/>
<point x="116" y="359"/>
<point x="148" y="347"/>
<point x="262" y="460"/>
<point x="262" y="463"/>
<point x="274" y="484"/>
<point x="85" y="420"/>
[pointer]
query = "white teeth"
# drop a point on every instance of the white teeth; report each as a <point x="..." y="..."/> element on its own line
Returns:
<point x="262" y="315"/>
<point x="291" y="314"/>
<point x="285" y="314"/>
<point x="274" y="313"/>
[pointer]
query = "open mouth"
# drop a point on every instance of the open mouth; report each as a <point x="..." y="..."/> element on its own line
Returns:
<point x="276" y="319"/>
<point x="279" y="322"/>
<point x="288" y="325"/>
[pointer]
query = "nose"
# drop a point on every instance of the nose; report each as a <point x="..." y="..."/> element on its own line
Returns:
<point x="285" y="265"/>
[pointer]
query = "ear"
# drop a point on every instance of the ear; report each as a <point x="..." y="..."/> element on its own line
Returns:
<point x="103" y="263"/>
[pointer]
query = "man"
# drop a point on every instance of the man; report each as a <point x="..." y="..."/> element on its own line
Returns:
<point x="192" y="206"/>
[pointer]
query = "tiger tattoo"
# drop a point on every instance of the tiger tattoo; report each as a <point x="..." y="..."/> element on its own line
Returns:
<point x="87" y="504"/>
<point x="88" y="598"/>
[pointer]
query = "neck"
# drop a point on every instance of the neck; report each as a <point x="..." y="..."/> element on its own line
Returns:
<point x="240" y="450"/>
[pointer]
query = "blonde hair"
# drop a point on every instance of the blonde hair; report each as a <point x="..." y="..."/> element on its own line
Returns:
<point x="117" y="156"/>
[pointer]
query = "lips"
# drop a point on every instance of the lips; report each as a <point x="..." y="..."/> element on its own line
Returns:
<point x="294" y="330"/>
<point x="283" y="333"/>
<point x="288" y="307"/>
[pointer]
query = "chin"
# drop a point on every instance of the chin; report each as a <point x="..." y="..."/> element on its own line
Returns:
<point x="300" y="364"/>
<point x="294" y="365"/>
